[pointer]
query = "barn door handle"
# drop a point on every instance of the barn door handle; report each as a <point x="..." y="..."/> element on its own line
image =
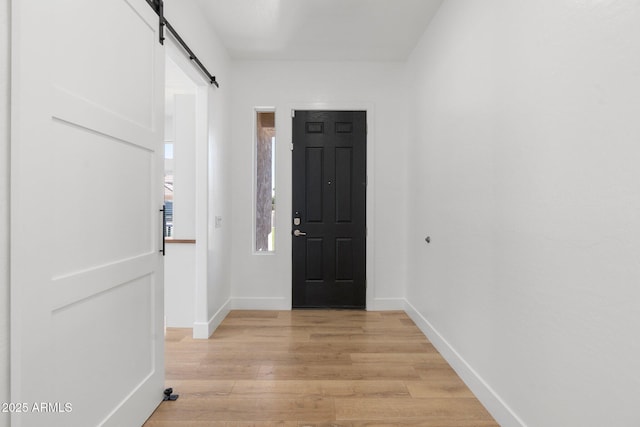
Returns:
<point x="298" y="233"/>
<point x="164" y="228"/>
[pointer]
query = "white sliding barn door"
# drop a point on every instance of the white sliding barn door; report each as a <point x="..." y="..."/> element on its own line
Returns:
<point x="86" y="274"/>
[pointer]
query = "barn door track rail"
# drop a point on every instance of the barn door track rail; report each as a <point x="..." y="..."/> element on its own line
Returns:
<point x="158" y="7"/>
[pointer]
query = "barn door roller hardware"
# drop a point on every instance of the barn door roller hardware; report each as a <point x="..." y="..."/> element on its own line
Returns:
<point x="158" y="7"/>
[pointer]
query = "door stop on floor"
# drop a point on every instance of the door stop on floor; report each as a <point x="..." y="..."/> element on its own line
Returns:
<point x="169" y="396"/>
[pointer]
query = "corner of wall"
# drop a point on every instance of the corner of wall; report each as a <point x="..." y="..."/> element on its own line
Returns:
<point x="203" y="330"/>
<point x="5" y="82"/>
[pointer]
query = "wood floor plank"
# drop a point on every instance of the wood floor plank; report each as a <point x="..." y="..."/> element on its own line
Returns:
<point x="235" y="409"/>
<point x="277" y="358"/>
<point x="287" y="389"/>
<point x="176" y="334"/>
<point x="368" y="337"/>
<point x="423" y="358"/>
<point x="398" y="409"/>
<point x="373" y="346"/>
<point x="439" y="388"/>
<point x="212" y="409"/>
<point x="376" y="388"/>
<point x="247" y="334"/>
<point x="320" y="388"/>
<point x="338" y="372"/>
<point x="311" y="409"/>
<point x="313" y="368"/>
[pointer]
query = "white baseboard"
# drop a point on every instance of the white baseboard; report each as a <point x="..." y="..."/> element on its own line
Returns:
<point x="378" y="304"/>
<point x="387" y="304"/>
<point x="485" y="394"/>
<point x="260" y="304"/>
<point x="203" y="330"/>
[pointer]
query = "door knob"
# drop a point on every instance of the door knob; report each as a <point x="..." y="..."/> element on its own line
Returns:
<point x="298" y="233"/>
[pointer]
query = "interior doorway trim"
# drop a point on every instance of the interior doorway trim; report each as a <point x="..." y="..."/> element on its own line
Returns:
<point x="201" y="326"/>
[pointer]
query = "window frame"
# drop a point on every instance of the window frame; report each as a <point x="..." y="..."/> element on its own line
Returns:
<point x="254" y="174"/>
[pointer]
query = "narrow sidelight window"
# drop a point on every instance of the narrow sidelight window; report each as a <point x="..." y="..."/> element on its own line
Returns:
<point x="265" y="181"/>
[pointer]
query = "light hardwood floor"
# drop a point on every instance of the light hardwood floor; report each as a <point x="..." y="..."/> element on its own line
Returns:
<point x="313" y="368"/>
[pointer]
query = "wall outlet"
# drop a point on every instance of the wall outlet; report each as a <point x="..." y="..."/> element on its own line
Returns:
<point x="218" y="222"/>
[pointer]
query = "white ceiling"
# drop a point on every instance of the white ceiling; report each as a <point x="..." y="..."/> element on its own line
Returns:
<point x="331" y="30"/>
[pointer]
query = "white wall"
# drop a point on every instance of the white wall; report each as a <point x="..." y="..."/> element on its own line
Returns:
<point x="180" y="285"/>
<point x="188" y="20"/>
<point x="5" y="38"/>
<point x="264" y="281"/>
<point x="524" y="171"/>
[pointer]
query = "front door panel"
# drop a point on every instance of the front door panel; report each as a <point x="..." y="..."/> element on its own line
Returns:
<point x="329" y="209"/>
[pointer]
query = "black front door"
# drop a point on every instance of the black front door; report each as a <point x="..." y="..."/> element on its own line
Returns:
<point x="329" y="209"/>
